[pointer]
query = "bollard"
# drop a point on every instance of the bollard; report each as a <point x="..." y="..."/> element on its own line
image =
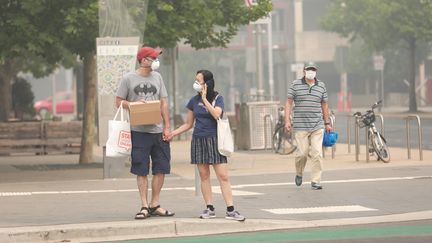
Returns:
<point x="349" y="117"/>
<point x="357" y="139"/>
<point x="367" y="143"/>
<point x="333" y="124"/>
<point x="113" y="167"/>
<point x="265" y="130"/>
<point x="419" y="129"/>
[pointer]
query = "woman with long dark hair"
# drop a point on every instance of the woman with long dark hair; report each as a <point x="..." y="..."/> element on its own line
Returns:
<point x="204" y="110"/>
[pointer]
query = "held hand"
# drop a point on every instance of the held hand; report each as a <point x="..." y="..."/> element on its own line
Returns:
<point x="166" y="135"/>
<point x="328" y="128"/>
<point x="169" y="138"/>
<point x="288" y="126"/>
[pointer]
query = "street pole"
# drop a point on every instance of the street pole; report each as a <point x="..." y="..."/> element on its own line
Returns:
<point x="174" y="79"/>
<point x="53" y="98"/>
<point x="270" y="56"/>
<point x="260" y="90"/>
<point x="377" y="94"/>
<point x="382" y="88"/>
<point x="379" y="62"/>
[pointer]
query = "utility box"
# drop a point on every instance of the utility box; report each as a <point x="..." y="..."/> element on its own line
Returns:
<point x="257" y="121"/>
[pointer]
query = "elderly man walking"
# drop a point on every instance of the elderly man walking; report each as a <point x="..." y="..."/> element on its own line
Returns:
<point x="310" y="118"/>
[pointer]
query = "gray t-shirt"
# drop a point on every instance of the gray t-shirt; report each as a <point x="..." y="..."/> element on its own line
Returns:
<point x="135" y="87"/>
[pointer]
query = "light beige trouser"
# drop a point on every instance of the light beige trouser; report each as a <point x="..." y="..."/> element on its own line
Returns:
<point x="309" y="144"/>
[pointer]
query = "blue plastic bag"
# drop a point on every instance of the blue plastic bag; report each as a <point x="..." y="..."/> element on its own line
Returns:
<point x="330" y="139"/>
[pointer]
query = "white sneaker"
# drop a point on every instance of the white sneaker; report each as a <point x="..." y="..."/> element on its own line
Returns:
<point x="208" y="214"/>
<point x="234" y="215"/>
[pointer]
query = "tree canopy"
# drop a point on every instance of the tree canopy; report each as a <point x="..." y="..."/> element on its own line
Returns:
<point x="37" y="35"/>
<point x="200" y="23"/>
<point x="382" y="24"/>
<point x="29" y="41"/>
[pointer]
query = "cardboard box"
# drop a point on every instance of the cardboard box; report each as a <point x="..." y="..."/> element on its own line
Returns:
<point x="145" y="113"/>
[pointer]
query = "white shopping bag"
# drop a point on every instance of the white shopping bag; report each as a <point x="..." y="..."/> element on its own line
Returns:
<point x="119" y="135"/>
<point x="225" y="139"/>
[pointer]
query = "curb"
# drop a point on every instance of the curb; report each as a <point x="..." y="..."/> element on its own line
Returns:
<point x="165" y="228"/>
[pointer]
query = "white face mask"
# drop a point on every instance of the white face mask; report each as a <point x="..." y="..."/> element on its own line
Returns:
<point x="155" y="64"/>
<point x="310" y="74"/>
<point x="197" y="86"/>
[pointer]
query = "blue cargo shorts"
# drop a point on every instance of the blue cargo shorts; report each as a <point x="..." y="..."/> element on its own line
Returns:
<point x="146" y="146"/>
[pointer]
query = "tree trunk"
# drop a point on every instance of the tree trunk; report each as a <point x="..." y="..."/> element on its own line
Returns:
<point x="88" y="132"/>
<point x="6" y="76"/>
<point x="412" y="95"/>
<point x="5" y="98"/>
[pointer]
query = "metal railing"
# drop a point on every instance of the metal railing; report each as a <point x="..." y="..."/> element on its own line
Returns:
<point x="419" y="129"/>
<point x="266" y="118"/>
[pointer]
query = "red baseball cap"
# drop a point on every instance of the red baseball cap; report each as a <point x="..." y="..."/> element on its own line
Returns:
<point x="148" y="52"/>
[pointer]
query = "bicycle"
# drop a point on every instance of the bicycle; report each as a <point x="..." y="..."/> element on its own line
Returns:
<point x="376" y="139"/>
<point x="282" y="140"/>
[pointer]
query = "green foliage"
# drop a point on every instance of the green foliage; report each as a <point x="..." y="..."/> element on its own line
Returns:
<point x="22" y="97"/>
<point x="381" y="23"/>
<point x="29" y="37"/>
<point x="80" y="27"/>
<point x="385" y="25"/>
<point x="200" y="23"/>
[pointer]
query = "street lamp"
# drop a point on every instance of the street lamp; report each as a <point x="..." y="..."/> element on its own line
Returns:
<point x="259" y="64"/>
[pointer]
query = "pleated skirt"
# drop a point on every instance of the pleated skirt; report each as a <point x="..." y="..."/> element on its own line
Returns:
<point x="204" y="151"/>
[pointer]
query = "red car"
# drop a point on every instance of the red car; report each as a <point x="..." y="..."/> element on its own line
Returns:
<point x="64" y="104"/>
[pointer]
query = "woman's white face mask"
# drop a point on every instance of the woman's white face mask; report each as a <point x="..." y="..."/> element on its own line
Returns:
<point x="310" y="74"/>
<point x="197" y="86"/>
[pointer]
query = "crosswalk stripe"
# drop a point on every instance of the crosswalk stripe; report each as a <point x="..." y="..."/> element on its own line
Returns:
<point x="327" y="209"/>
<point x="215" y="189"/>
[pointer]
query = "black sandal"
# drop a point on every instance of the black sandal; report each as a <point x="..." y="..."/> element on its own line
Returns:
<point x="143" y="213"/>
<point x="154" y="212"/>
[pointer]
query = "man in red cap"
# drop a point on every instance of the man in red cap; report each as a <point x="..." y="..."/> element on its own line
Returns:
<point x="148" y="141"/>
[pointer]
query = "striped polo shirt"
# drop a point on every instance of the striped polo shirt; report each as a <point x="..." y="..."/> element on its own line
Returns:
<point x="307" y="111"/>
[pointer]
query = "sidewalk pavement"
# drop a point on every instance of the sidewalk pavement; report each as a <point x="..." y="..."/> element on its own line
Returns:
<point x="24" y="173"/>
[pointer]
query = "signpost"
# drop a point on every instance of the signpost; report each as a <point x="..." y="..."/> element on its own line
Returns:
<point x="379" y="62"/>
<point x="116" y="56"/>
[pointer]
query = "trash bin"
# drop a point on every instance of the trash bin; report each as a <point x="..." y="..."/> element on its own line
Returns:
<point x="251" y="131"/>
<point x="114" y="167"/>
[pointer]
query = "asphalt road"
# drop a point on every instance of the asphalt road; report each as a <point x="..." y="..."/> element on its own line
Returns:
<point x="347" y="194"/>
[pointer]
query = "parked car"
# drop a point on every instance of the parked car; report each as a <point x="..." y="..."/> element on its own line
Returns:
<point x="64" y="104"/>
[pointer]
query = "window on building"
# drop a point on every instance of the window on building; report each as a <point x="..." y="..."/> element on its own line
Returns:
<point x="278" y="18"/>
<point x="313" y="10"/>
